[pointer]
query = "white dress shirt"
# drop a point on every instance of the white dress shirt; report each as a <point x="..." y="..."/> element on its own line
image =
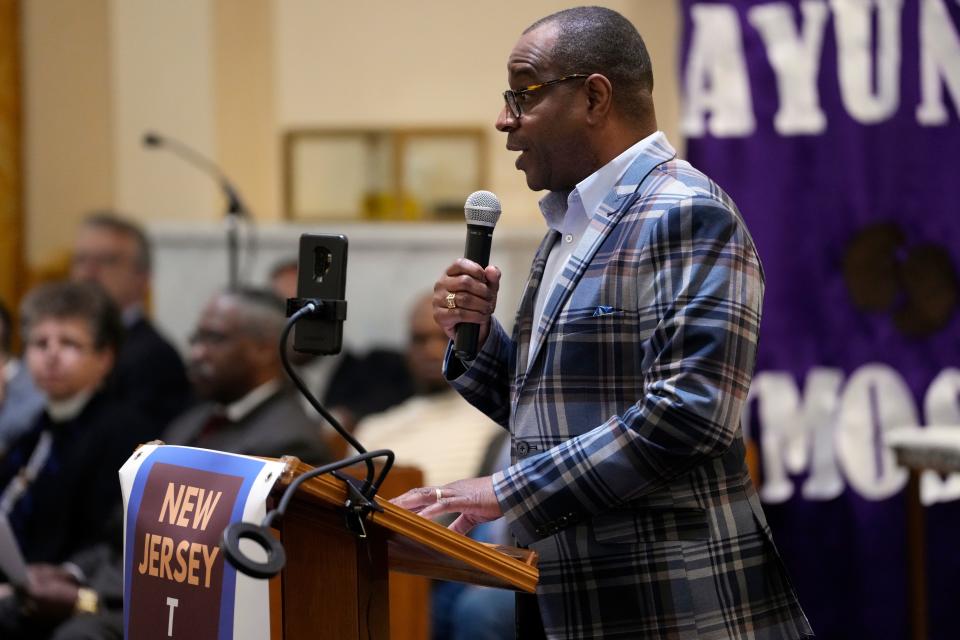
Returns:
<point x="569" y="213"/>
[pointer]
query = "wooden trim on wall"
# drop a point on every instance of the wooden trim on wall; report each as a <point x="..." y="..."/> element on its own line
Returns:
<point x="11" y="168"/>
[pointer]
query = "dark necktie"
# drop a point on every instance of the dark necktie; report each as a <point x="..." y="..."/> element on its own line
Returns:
<point x="216" y="422"/>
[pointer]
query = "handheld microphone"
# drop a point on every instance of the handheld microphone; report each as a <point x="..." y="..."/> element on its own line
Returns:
<point x="482" y="210"/>
<point x="235" y="205"/>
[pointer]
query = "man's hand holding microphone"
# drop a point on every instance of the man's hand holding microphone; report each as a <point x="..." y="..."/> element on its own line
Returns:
<point x="464" y="299"/>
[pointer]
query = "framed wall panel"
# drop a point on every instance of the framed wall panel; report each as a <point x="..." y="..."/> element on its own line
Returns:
<point x="382" y="174"/>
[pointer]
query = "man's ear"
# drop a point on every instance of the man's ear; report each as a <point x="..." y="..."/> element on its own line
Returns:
<point x="599" y="97"/>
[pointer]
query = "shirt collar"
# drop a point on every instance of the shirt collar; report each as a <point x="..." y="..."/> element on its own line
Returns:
<point x="132" y="315"/>
<point x="571" y="211"/>
<point x="240" y="409"/>
<point x="64" y="410"/>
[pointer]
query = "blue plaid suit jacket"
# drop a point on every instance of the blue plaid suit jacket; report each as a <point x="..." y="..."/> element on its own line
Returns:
<point x="628" y="474"/>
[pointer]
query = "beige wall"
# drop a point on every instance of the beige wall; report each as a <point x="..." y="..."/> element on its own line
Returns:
<point x="431" y="63"/>
<point x="248" y="148"/>
<point x="162" y="70"/>
<point x="230" y="76"/>
<point x="68" y="119"/>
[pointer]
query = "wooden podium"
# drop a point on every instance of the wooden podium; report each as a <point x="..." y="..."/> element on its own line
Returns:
<point x="335" y="583"/>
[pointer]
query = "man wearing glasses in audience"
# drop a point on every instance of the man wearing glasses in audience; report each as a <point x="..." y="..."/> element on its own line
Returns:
<point x="58" y="482"/>
<point x="115" y="253"/>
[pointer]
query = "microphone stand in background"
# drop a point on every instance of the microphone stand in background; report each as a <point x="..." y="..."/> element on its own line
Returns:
<point x="237" y="209"/>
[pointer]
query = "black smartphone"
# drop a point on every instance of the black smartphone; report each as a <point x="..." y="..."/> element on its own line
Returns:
<point x="321" y="274"/>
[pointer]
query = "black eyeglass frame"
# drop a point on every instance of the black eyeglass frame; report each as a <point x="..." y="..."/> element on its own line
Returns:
<point x="510" y="96"/>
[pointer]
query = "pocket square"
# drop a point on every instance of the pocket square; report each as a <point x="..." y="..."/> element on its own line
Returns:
<point x="602" y="310"/>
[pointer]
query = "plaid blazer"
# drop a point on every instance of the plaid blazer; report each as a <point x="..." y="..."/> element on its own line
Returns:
<point x="628" y="474"/>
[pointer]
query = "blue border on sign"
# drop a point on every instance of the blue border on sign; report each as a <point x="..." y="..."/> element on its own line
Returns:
<point x="203" y="460"/>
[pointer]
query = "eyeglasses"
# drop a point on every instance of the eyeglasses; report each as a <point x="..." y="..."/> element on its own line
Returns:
<point x="208" y="337"/>
<point x="513" y="98"/>
<point x="65" y="344"/>
<point x="99" y="260"/>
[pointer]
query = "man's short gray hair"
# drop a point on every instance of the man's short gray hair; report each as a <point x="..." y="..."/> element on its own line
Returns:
<point x="600" y="40"/>
<point x="262" y="313"/>
<point x="113" y="222"/>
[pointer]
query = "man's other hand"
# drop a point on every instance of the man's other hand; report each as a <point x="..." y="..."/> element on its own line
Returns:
<point x="473" y="499"/>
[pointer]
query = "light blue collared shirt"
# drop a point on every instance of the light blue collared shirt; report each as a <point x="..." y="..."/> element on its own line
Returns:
<point x="569" y="214"/>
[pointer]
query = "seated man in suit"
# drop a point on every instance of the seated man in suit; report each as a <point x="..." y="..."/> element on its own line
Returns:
<point x="20" y="400"/>
<point x="234" y="364"/>
<point x="59" y="480"/>
<point x="115" y="253"/>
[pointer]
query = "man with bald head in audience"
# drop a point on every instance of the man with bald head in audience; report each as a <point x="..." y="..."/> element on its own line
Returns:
<point x="234" y="365"/>
<point x="115" y="253"/>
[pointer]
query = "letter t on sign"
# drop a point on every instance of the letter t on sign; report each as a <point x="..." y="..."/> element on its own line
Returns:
<point x="172" y="603"/>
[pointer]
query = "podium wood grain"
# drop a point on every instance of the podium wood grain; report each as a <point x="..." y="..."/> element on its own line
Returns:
<point x="336" y="585"/>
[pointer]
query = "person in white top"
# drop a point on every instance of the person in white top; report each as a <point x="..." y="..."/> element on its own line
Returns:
<point x="435" y="430"/>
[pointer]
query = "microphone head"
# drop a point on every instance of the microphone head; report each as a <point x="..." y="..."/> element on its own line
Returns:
<point x="151" y="139"/>
<point x="482" y="208"/>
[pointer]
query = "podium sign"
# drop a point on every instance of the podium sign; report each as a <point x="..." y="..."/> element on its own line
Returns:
<point x="177" y="502"/>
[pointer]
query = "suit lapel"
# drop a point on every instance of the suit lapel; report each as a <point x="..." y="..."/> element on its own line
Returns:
<point x="525" y="311"/>
<point x="602" y="222"/>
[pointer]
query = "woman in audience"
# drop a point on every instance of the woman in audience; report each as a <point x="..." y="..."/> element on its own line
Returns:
<point x="59" y="480"/>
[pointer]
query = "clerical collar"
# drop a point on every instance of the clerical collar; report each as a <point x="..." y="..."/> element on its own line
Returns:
<point x="68" y="409"/>
<point x="240" y="409"/>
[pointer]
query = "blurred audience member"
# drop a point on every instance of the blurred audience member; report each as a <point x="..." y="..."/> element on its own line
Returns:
<point x="80" y="599"/>
<point x="350" y="386"/>
<point x="436" y="430"/>
<point x="60" y="478"/>
<point x="115" y="253"/>
<point x="60" y="488"/>
<point x="20" y="400"/>
<point x="469" y="612"/>
<point x="440" y="433"/>
<point x="234" y="364"/>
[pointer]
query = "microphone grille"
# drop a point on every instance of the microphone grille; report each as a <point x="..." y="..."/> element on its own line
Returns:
<point x="483" y="208"/>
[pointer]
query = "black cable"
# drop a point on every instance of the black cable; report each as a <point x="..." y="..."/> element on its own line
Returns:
<point x="319" y="471"/>
<point x="358" y="503"/>
<point x="313" y="307"/>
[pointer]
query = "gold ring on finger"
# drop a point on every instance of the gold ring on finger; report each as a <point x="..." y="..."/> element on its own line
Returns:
<point x="451" y="301"/>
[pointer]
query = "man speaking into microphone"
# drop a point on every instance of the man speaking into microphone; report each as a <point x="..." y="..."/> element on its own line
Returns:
<point x="623" y="381"/>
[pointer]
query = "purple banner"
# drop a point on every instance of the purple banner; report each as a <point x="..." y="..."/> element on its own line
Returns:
<point x="834" y="126"/>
